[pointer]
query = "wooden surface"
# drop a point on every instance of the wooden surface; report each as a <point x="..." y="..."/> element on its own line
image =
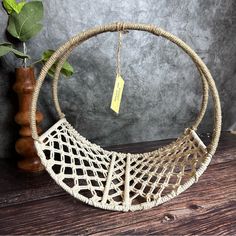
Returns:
<point x="33" y="204"/>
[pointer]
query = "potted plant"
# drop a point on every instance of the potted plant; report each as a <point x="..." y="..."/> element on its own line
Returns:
<point x="24" y="23"/>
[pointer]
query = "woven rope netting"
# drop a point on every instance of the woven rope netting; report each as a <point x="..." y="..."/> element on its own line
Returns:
<point x="123" y="181"/>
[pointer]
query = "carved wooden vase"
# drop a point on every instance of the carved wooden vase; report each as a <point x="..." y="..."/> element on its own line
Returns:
<point x="24" y="86"/>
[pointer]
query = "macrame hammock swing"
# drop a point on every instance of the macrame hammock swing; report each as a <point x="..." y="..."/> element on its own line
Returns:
<point x="123" y="181"/>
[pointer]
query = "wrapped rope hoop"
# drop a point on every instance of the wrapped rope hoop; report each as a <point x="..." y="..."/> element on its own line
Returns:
<point x="123" y="181"/>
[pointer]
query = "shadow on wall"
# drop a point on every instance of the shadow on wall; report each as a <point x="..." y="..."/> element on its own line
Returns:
<point x="8" y="104"/>
<point x="222" y="58"/>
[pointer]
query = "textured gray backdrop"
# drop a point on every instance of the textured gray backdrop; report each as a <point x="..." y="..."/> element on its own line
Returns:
<point x="162" y="88"/>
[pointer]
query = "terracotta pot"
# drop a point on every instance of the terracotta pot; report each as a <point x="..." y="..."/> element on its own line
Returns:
<point x="24" y="86"/>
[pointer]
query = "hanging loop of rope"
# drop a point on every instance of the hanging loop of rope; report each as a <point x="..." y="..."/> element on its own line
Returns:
<point x="118" y="52"/>
<point x="120" y="30"/>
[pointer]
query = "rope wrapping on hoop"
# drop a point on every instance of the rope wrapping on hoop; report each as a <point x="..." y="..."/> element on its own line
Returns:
<point x="121" y="181"/>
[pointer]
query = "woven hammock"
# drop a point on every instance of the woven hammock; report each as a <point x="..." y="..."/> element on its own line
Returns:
<point x="123" y="181"/>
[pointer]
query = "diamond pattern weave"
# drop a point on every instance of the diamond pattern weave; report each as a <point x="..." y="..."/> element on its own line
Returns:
<point x="114" y="180"/>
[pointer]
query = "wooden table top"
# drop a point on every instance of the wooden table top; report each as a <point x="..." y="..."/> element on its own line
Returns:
<point x="34" y="204"/>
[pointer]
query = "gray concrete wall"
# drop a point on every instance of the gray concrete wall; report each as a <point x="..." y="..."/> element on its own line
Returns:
<point x="162" y="87"/>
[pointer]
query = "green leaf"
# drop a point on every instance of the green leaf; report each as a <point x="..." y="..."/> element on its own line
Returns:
<point x="6" y="48"/>
<point x="46" y="55"/>
<point x="26" y="24"/>
<point x="20" y="6"/>
<point x="67" y="70"/>
<point x="13" y="6"/>
<point x="6" y="44"/>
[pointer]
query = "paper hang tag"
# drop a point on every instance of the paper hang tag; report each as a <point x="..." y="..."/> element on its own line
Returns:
<point x="117" y="94"/>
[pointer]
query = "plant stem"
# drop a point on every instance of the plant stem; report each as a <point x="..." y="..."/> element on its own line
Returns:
<point x="35" y="62"/>
<point x="25" y="52"/>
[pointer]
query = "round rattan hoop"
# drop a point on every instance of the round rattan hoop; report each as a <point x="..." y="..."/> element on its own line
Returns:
<point x="123" y="181"/>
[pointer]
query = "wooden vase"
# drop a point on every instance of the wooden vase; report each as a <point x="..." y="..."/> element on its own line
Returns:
<point x="24" y="86"/>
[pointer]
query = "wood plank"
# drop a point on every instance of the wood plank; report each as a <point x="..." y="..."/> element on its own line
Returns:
<point x="18" y="187"/>
<point x="208" y="207"/>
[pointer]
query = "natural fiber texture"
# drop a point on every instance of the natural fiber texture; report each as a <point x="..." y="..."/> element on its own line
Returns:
<point x="119" y="181"/>
<point x="118" y="52"/>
